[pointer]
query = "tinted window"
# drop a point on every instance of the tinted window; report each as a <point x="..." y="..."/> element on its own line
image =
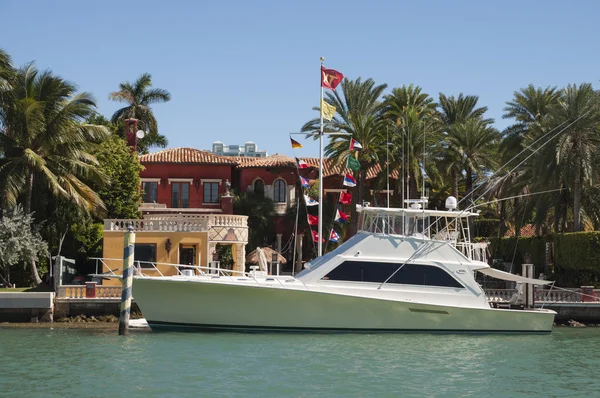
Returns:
<point x="144" y="253"/>
<point x="211" y="192"/>
<point x="279" y="195"/>
<point x="410" y="274"/>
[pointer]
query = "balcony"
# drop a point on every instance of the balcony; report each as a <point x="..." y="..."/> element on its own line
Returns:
<point x="178" y="223"/>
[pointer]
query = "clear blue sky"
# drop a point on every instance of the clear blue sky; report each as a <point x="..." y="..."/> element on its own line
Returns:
<point x="249" y="70"/>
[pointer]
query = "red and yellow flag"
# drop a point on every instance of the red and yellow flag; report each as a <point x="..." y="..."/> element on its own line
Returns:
<point x="295" y="144"/>
<point x="330" y="78"/>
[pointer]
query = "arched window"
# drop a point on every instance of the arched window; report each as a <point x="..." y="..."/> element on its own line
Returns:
<point x="279" y="191"/>
<point x="259" y="187"/>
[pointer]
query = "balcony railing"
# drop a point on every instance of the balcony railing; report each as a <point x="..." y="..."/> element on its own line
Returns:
<point x="78" y="291"/>
<point x="177" y="222"/>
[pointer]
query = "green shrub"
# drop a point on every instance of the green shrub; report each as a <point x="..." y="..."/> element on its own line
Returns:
<point x="577" y="258"/>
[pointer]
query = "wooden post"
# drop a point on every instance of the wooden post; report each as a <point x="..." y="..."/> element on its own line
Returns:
<point x="128" y="249"/>
<point x="528" y="288"/>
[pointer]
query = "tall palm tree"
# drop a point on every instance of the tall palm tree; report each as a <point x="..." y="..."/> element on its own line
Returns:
<point x="139" y="96"/>
<point x="414" y="128"/>
<point x="579" y="144"/>
<point x="452" y="111"/>
<point x="46" y="144"/>
<point x="473" y="144"/>
<point x="530" y="108"/>
<point x="359" y="112"/>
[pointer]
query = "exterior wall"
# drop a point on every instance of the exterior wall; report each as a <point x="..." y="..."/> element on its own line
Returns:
<point x="196" y="172"/>
<point x="248" y="176"/>
<point x="113" y="248"/>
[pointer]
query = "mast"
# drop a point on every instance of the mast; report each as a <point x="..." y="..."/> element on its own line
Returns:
<point x="320" y="231"/>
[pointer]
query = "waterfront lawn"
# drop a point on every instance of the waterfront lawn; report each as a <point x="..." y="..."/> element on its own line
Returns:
<point x="13" y="290"/>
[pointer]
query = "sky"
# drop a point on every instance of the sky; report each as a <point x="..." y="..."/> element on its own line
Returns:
<point x="249" y="70"/>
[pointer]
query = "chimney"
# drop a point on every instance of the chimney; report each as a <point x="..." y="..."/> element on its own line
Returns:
<point x="131" y="126"/>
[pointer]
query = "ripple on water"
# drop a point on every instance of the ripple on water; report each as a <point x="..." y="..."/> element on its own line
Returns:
<point x="62" y="362"/>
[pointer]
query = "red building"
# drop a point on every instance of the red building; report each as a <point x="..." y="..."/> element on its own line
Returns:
<point x="188" y="181"/>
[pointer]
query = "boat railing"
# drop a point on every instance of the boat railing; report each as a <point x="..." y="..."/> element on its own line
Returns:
<point x="146" y="268"/>
<point x="574" y="295"/>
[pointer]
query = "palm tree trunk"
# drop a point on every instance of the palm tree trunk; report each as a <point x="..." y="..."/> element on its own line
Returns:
<point x="28" y="197"/>
<point x="517" y="218"/>
<point x="502" y="218"/>
<point x="577" y="200"/>
<point x="469" y="184"/>
<point x="454" y="178"/>
<point x="414" y="190"/>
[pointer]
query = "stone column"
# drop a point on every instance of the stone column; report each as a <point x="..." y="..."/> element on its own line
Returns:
<point x="528" y="295"/>
<point x="239" y="251"/>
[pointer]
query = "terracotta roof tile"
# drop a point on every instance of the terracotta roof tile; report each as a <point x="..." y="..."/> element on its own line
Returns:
<point x="185" y="155"/>
<point x="526" y="230"/>
<point x="269" y="161"/>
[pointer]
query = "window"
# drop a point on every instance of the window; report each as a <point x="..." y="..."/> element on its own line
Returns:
<point x="279" y="191"/>
<point x="410" y="274"/>
<point x="259" y="188"/>
<point x="180" y="195"/>
<point x="211" y="192"/>
<point x="145" y="253"/>
<point x="150" y="192"/>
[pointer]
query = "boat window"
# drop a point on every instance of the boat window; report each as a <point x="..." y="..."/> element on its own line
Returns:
<point x="410" y="274"/>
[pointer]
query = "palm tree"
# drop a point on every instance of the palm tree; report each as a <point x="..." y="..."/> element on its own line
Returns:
<point x="473" y="144"/>
<point x="139" y="96"/>
<point x="530" y="108"/>
<point x="414" y="128"/>
<point x="359" y="111"/>
<point x="578" y="109"/>
<point x="46" y="145"/>
<point x="453" y="111"/>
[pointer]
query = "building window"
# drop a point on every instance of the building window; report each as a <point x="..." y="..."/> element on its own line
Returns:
<point x="150" y="192"/>
<point x="211" y="192"/>
<point x="145" y="253"/>
<point x="180" y="195"/>
<point x="409" y="274"/>
<point x="279" y="191"/>
<point x="259" y="188"/>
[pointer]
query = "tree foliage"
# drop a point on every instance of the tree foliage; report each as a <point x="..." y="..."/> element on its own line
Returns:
<point x="138" y="96"/>
<point x="20" y="240"/>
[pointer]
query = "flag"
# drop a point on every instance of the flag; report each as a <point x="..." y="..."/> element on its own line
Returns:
<point x="349" y="181"/>
<point x="295" y="144"/>
<point x="310" y="201"/>
<point x="334" y="236"/>
<point x="315" y="236"/>
<point x="313" y="220"/>
<point x="345" y="198"/>
<point x="353" y="164"/>
<point x="305" y="182"/>
<point x="355" y="145"/>
<point x="330" y="78"/>
<point x="327" y="110"/>
<point x="301" y="164"/>
<point x="340" y="216"/>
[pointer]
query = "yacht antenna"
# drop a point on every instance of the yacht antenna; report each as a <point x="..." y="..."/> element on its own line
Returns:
<point x="387" y="163"/>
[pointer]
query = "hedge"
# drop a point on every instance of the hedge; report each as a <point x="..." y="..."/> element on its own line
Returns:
<point x="576" y="259"/>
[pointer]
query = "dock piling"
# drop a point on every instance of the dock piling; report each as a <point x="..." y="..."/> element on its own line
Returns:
<point x="128" y="250"/>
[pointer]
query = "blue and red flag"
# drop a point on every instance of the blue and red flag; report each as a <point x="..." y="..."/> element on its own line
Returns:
<point x="305" y="182"/>
<point x="340" y="216"/>
<point x="349" y="181"/>
<point x="334" y="236"/>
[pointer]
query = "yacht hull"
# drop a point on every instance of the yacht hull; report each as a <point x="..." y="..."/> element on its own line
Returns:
<point x="208" y="305"/>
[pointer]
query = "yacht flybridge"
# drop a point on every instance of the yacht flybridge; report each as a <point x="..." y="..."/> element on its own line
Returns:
<point x="406" y="269"/>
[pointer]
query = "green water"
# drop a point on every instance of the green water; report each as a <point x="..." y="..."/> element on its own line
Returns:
<point x="96" y="363"/>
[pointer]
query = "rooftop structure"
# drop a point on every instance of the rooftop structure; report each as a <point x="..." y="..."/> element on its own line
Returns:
<point x="248" y="149"/>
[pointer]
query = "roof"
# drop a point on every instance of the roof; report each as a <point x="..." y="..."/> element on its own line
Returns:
<point x="196" y="156"/>
<point x="526" y="231"/>
<point x="186" y="155"/>
<point x="269" y="161"/>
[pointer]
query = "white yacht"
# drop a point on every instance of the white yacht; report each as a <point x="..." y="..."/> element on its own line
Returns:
<point x="406" y="270"/>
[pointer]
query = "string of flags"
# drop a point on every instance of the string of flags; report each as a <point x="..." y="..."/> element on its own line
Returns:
<point x="330" y="79"/>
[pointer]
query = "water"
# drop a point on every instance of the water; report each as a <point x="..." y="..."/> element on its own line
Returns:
<point x="98" y="363"/>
